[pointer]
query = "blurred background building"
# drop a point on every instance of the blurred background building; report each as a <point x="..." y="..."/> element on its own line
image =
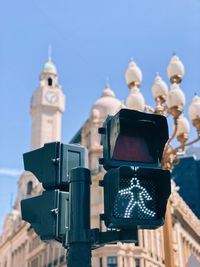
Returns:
<point x="187" y="177"/>
<point x="21" y="247"/>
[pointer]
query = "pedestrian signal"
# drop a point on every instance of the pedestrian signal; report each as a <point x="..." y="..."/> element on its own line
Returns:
<point x="136" y="189"/>
<point x="135" y="197"/>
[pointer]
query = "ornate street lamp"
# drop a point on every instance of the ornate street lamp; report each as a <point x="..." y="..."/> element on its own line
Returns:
<point x="172" y="103"/>
<point x="133" y="77"/>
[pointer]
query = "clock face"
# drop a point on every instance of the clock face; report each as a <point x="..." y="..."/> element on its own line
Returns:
<point x="51" y="97"/>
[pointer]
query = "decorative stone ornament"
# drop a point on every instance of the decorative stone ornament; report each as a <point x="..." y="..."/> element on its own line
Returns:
<point x="107" y="104"/>
<point x="95" y="116"/>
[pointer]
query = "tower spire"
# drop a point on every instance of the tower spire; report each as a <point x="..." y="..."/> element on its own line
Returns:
<point x="107" y="82"/>
<point x="49" y="52"/>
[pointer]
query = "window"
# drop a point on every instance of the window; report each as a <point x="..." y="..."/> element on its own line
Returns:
<point x="62" y="259"/>
<point x="50" y="82"/>
<point x="55" y="263"/>
<point x="29" y="187"/>
<point x="137" y="262"/>
<point x="34" y="263"/>
<point x="112" y="262"/>
<point x="100" y="262"/>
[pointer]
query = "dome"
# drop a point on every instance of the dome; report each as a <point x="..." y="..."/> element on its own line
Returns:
<point x="133" y="75"/>
<point x="49" y="67"/>
<point x="108" y="104"/>
<point x="159" y="87"/>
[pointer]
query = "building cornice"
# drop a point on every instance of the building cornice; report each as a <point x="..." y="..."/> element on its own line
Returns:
<point x="23" y="225"/>
<point x="182" y="211"/>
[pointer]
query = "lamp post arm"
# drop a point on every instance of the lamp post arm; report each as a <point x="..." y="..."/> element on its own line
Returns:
<point x="187" y="144"/>
<point x="170" y="139"/>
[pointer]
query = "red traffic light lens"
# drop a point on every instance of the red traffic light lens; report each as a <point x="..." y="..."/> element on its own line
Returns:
<point x="132" y="148"/>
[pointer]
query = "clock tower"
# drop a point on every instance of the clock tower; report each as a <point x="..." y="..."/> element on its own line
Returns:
<point x="47" y="106"/>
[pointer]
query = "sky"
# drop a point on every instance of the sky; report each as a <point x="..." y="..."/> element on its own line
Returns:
<point x="90" y="40"/>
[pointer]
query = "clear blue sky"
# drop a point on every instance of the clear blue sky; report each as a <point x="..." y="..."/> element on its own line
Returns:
<point x="91" y="40"/>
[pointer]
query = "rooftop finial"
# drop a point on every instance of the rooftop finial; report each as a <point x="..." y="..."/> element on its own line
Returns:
<point x="107" y="82"/>
<point x="49" y="52"/>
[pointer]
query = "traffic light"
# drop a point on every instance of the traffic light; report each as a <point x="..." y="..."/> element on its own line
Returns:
<point x="51" y="164"/>
<point x="136" y="189"/>
<point x="47" y="214"/>
<point x="133" y="138"/>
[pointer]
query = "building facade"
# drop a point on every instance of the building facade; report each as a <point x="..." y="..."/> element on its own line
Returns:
<point x="187" y="177"/>
<point x="21" y="247"/>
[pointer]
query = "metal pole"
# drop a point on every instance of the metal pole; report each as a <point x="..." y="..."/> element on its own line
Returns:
<point x="168" y="238"/>
<point x="78" y="242"/>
